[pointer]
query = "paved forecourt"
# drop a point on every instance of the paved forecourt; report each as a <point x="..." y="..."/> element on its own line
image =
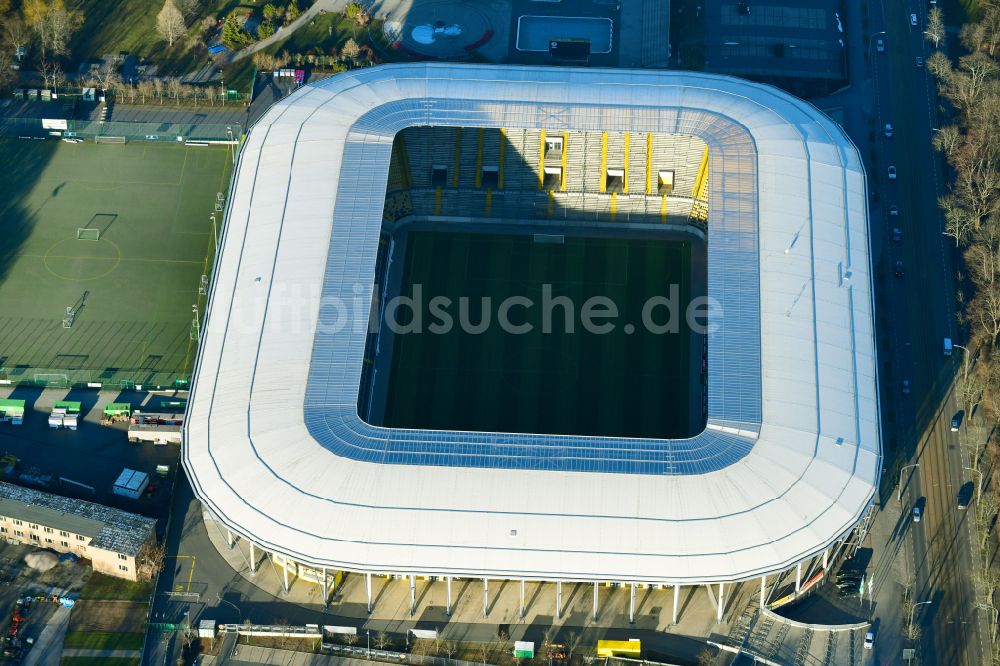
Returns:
<point x="789" y="460"/>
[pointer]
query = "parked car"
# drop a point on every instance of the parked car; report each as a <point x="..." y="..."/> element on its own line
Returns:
<point x="892" y="172"/>
<point x="888" y="130"/>
<point x="898" y="269"/>
<point x="920" y="61"/>
<point x="906" y="387"/>
<point x="913" y="19"/>
<point x="917" y="514"/>
<point x="880" y="45"/>
<point x="965" y="495"/>
<point x="956" y="420"/>
<point x="896" y="234"/>
<point x="869" y="640"/>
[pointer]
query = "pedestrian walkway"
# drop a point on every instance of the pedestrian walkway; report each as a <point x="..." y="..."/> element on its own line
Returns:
<point x="102" y="654"/>
<point x="48" y="646"/>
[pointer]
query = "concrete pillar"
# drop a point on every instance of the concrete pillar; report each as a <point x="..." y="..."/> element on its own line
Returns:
<point x="522" y="598"/>
<point x="284" y="570"/>
<point x="486" y="597"/>
<point x="826" y="559"/>
<point x="447" y="582"/>
<point x="631" y="604"/>
<point x="368" y="587"/>
<point x="326" y="591"/>
<point x="229" y="538"/>
<point x="677" y="597"/>
<point x="413" y="595"/>
<point x="558" y="599"/>
<point x="798" y="578"/>
<point x="595" y="601"/>
<point x="253" y="559"/>
<point x="763" y="590"/>
<point x="722" y="603"/>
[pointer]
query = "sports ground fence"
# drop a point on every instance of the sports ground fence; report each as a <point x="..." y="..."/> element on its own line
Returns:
<point x="40" y="128"/>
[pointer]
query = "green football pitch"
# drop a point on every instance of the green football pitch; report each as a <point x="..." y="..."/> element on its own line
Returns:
<point x="562" y="382"/>
<point x="133" y="288"/>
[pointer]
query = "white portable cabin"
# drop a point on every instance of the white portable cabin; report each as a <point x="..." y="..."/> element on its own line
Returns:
<point x="131" y="483"/>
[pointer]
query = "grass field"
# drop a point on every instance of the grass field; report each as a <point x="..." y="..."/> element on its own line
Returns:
<point x="133" y="289"/>
<point x="104" y="640"/>
<point x="613" y="384"/>
<point x="99" y="661"/>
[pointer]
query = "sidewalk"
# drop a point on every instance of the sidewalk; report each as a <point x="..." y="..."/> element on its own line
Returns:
<point x="48" y="647"/>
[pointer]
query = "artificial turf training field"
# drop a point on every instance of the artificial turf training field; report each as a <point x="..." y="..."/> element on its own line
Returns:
<point x="614" y="384"/>
<point x="133" y="288"/>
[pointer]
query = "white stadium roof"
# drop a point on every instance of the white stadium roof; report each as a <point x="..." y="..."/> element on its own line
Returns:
<point x="791" y="456"/>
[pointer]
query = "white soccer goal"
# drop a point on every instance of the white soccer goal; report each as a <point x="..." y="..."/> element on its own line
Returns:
<point x="109" y="139"/>
<point x="88" y="234"/>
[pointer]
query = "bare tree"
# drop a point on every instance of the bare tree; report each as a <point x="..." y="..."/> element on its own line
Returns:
<point x="947" y="139"/>
<point x="935" y="26"/>
<point x="53" y="24"/>
<point x="104" y="76"/>
<point x="16" y="35"/>
<point x="8" y="72"/>
<point x="158" y="88"/>
<point x="351" y="639"/>
<point x="174" y="88"/>
<point x="350" y="49"/>
<point x="189" y="8"/>
<point x="382" y="640"/>
<point x="149" y="560"/>
<point x="706" y="657"/>
<point x="170" y="22"/>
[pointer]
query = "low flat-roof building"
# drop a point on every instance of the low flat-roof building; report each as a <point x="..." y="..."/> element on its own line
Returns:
<point x="110" y="538"/>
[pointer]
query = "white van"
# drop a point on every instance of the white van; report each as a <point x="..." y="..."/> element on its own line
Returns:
<point x="947" y="346"/>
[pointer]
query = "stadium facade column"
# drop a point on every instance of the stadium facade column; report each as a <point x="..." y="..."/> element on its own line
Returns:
<point x="229" y="538"/>
<point x="763" y="590"/>
<point x="558" y="599"/>
<point x="284" y="569"/>
<point x="677" y="596"/>
<point x="447" y="583"/>
<point x="722" y="602"/>
<point x="798" y="578"/>
<point x="368" y="588"/>
<point x="631" y="603"/>
<point x="522" y="598"/>
<point x="486" y="597"/>
<point x="595" y="601"/>
<point x="253" y="559"/>
<point x="826" y="559"/>
<point x="413" y="595"/>
<point x="326" y="592"/>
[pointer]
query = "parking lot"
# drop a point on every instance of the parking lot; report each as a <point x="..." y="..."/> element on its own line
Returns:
<point x="84" y="463"/>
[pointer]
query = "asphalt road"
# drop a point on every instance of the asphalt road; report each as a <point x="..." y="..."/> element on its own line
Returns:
<point x="916" y="314"/>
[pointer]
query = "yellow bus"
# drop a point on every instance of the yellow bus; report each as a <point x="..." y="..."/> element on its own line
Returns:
<point x="630" y="648"/>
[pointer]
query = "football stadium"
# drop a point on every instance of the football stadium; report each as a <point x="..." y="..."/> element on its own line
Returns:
<point x="400" y="370"/>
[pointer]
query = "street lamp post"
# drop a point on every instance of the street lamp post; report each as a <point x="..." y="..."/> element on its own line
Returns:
<point x="368" y="635"/>
<point x="215" y="233"/>
<point x="965" y="371"/>
<point x="910" y="625"/>
<point x="899" y="492"/>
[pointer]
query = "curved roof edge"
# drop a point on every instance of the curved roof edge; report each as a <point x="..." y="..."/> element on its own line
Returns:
<point x="807" y="480"/>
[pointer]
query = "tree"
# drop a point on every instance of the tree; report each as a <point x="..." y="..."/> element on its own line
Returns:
<point x="16" y="35"/>
<point x="706" y="657"/>
<point x="234" y="35"/>
<point x="935" y="26"/>
<point x="149" y="560"/>
<point x="265" y="30"/>
<point x="104" y="77"/>
<point x="382" y="640"/>
<point x="8" y="72"/>
<point x="170" y="22"/>
<point x="53" y="24"/>
<point x="350" y="50"/>
<point x="189" y="8"/>
<point x="946" y="139"/>
<point x="292" y="12"/>
<point x="270" y="12"/>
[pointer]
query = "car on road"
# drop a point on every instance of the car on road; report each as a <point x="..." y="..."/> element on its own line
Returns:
<point x="869" y="640"/>
<point x="920" y="61"/>
<point x="892" y="172"/>
<point x="888" y="130"/>
<point x="898" y="269"/>
<point x="965" y="495"/>
<point x="956" y="420"/>
<point x="894" y="210"/>
<point x="896" y="234"/>
<point x="913" y="19"/>
<point x="917" y="513"/>
<point x="880" y="45"/>
<point x="906" y="387"/>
